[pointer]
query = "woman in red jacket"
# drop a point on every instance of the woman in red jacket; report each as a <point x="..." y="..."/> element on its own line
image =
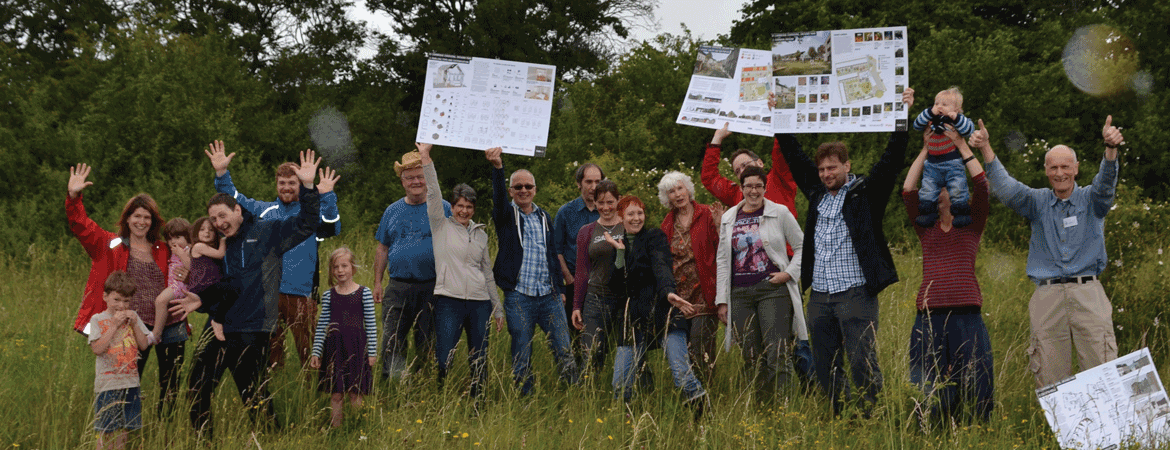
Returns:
<point x="138" y="250"/>
<point x="693" y="234"/>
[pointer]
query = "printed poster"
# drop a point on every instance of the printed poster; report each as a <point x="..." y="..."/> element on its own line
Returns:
<point x="840" y="80"/>
<point x="480" y="103"/>
<point x="1121" y="402"/>
<point x="729" y="85"/>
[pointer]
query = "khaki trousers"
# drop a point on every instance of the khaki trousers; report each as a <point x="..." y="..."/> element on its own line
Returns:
<point x="1067" y="315"/>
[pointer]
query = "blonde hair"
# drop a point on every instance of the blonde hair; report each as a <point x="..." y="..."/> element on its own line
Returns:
<point x="954" y="93"/>
<point x="337" y="254"/>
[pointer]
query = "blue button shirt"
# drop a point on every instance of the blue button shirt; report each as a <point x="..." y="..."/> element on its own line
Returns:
<point x="300" y="262"/>
<point x="1068" y="236"/>
<point x="534" y="279"/>
<point x="570" y="218"/>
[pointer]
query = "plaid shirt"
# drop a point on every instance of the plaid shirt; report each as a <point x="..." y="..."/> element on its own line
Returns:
<point x="534" y="279"/>
<point x="836" y="267"/>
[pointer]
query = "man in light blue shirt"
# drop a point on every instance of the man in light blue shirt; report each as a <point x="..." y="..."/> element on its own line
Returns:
<point x="1065" y="255"/>
<point x="297" y="310"/>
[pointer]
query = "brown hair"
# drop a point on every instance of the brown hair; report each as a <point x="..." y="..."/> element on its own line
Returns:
<point x="178" y="227"/>
<point x="120" y="282"/>
<point x="609" y="186"/>
<point x="835" y="148"/>
<point x="744" y="151"/>
<point x="337" y="254"/>
<point x="221" y="198"/>
<point x="286" y="170"/>
<point x="628" y="200"/>
<point x="199" y="226"/>
<point x="753" y="171"/>
<point x="143" y="201"/>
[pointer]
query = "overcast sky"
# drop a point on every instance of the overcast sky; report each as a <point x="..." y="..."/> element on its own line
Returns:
<point x="705" y="18"/>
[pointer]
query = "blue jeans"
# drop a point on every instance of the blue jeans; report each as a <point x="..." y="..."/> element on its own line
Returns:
<point x="950" y="174"/>
<point x="602" y="317"/>
<point x="951" y="362"/>
<point x="845" y="324"/>
<point x="452" y="316"/>
<point x="524" y="313"/>
<point x="630" y="359"/>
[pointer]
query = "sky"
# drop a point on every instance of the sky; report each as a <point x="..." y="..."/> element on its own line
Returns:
<point x="705" y="19"/>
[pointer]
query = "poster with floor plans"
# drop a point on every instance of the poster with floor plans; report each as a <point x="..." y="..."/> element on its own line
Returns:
<point x="480" y="103"/>
<point x="729" y="86"/>
<point x="840" y="80"/>
<point x="1119" y="403"/>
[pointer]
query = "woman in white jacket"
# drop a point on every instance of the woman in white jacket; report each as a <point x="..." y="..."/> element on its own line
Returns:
<point x="756" y="291"/>
<point x="465" y="290"/>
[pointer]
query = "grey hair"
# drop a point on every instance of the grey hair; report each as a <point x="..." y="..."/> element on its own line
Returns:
<point x="519" y="171"/>
<point x="462" y="190"/>
<point x="1070" y="150"/>
<point x="669" y="181"/>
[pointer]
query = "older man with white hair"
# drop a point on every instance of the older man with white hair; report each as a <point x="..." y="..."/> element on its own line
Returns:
<point x="1066" y="255"/>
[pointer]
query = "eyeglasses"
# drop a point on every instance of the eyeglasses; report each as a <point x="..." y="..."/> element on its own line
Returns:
<point x="754" y="187"/>
<point x="521" y="187"/>
<point x="414" y="178"/>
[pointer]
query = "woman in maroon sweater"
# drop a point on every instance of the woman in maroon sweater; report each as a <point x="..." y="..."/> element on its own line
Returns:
<point x="950" y="351"/>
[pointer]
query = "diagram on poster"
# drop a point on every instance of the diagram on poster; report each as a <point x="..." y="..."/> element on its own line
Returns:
<point x="479" y="103"/>
<point x="729" y="85"/>
<point x="1116" y="403"/>
<point x="840" y="80"/>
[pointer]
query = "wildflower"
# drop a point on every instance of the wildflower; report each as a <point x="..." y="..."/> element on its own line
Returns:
<point x="465" y="435"/>
<point x="610" y="437"/>
<point x="599" y="420"/>
<point x="417" y="420"/>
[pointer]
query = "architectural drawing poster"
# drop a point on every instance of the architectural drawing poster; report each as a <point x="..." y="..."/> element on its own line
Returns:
<point x="729" y="85"/>
<point x="1121" y="402"/>
<point x="840" y="80"/>
<point x="480" y="103"/>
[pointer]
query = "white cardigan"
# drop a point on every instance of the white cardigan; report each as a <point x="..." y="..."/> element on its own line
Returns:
<point x="778" y="229"/>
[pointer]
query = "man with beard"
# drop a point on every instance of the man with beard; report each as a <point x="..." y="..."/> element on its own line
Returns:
<point x="299" y="277"/>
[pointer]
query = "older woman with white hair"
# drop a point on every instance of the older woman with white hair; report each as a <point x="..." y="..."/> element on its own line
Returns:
<point x="693" y="234"/>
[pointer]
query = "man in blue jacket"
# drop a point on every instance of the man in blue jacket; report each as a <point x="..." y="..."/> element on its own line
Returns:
<point x="299" y="277"/>
<point x="528" y="271"/>
<point x="252" y="266"/>
<point x="850" y="261"/>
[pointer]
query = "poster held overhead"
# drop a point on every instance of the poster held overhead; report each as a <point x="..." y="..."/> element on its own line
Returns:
<point x="479" y="103"/>
<point x="840" y="80"/>
<point x="729" y="85"/>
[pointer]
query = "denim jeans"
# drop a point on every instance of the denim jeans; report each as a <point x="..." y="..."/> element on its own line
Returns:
<point x="845" y="324"/>
<point x="602" y="317"/>
<point x="951" y="362"/>
<point x="630" y="360"/>
<point x="452" y="316"/>
<point x="950" y="174"/>
<point x="524" y="313"/>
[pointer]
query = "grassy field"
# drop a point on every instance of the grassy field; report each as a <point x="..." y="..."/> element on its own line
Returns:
<point x="48" y="381"/>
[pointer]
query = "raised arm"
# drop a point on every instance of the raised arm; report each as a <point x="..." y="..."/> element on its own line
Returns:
<point x="330" y="215"/>
<point x="434" y="196"/>
<point x="723" y="189"/>
<point x="92" y="237"/>
<point x="1011" y="192"/>
<point x="1105" y="183"/>
<point x="781" y="170"/>
<point x="499" y="185"/>
<point x="914" y="175"/>
<point x="223" y="179"/>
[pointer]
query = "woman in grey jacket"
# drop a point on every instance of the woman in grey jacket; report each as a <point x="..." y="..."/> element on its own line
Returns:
<point x="465" y="290"/>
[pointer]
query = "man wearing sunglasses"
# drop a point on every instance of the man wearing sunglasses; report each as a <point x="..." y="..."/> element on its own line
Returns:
<point x="528" y="271"/>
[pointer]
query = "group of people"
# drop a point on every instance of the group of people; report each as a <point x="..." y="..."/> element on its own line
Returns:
<point x="594" y="276"/>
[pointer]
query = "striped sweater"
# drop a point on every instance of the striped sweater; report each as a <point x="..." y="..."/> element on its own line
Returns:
<point x="948" y="258"/>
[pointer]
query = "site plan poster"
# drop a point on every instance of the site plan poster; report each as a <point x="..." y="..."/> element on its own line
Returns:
<point x="1121" y="402"/>
<point x="480" y="103"/>
<point x="729" y="85"/>
<point x="840" y="80"/>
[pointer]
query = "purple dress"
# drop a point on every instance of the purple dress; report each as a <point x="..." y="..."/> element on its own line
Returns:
<point x="342" y="342"/>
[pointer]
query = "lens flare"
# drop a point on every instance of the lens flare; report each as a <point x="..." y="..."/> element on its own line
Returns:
<point x="1099" y="60"/>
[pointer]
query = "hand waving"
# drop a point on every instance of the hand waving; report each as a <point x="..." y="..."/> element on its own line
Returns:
<point x="220" y="160"/>
<point x="77" y="176"/>
<point x="307" y="169"/>
<point x="328" y="179"/>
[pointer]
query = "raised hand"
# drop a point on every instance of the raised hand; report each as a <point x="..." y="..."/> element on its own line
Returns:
<point x="495" y="156"/>
<point x="307" y="169"/>
<point x="616" y="244"/>
<point x="720" y="134"/>
<point x="424" y="150"/>
<point x="220" y="160"/>
<point x="328" y="178"/>
<point x="979" y="139"/>
<point x="771" y="100"/>
<point x="1111" y="134"/>
<point x="908" y="98"/>
<point x="77" y="176"/>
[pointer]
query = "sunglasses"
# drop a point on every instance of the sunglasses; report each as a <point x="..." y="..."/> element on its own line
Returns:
<point x="521" y="187"/>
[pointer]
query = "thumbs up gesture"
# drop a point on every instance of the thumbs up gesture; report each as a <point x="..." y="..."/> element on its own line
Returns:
<point x="980" y="138"/>
<point x="1111" y="134"/>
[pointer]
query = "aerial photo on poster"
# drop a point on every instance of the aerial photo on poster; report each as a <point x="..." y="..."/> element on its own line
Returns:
<point x="839" y="80"/>
<point x="729" y="85"/>
<point x="479" y="103"/>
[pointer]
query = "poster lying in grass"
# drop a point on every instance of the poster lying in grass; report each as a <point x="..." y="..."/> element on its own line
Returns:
<point x="729" y="85"/>
<point x="840" y="80"/>
<point x="1119" y="403"/>
<point x="480" y="103"/>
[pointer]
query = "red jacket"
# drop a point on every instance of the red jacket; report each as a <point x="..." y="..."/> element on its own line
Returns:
<point x="781" y="186"/>
<point x="704" y="240"/>
<point x="108" y="253"/>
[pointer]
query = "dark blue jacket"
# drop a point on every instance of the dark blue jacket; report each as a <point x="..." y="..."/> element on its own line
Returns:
<point x="252" y="265"/>
<point x="508" y="228"/>
<point x="649" y="277"/>
<point x="864" y="211"/>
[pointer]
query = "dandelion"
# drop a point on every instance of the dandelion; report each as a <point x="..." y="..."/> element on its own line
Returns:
<point x="599" y="420"/>
<point x="417" y="420"/>
<point x="465" y="435"/>
<point x="610" y="437"/>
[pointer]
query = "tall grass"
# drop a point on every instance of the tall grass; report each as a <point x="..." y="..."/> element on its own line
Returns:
<point x="46" y="387"/>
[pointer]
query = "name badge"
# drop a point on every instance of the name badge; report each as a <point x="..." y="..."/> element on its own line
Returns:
<point x="1070" y="222"/>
